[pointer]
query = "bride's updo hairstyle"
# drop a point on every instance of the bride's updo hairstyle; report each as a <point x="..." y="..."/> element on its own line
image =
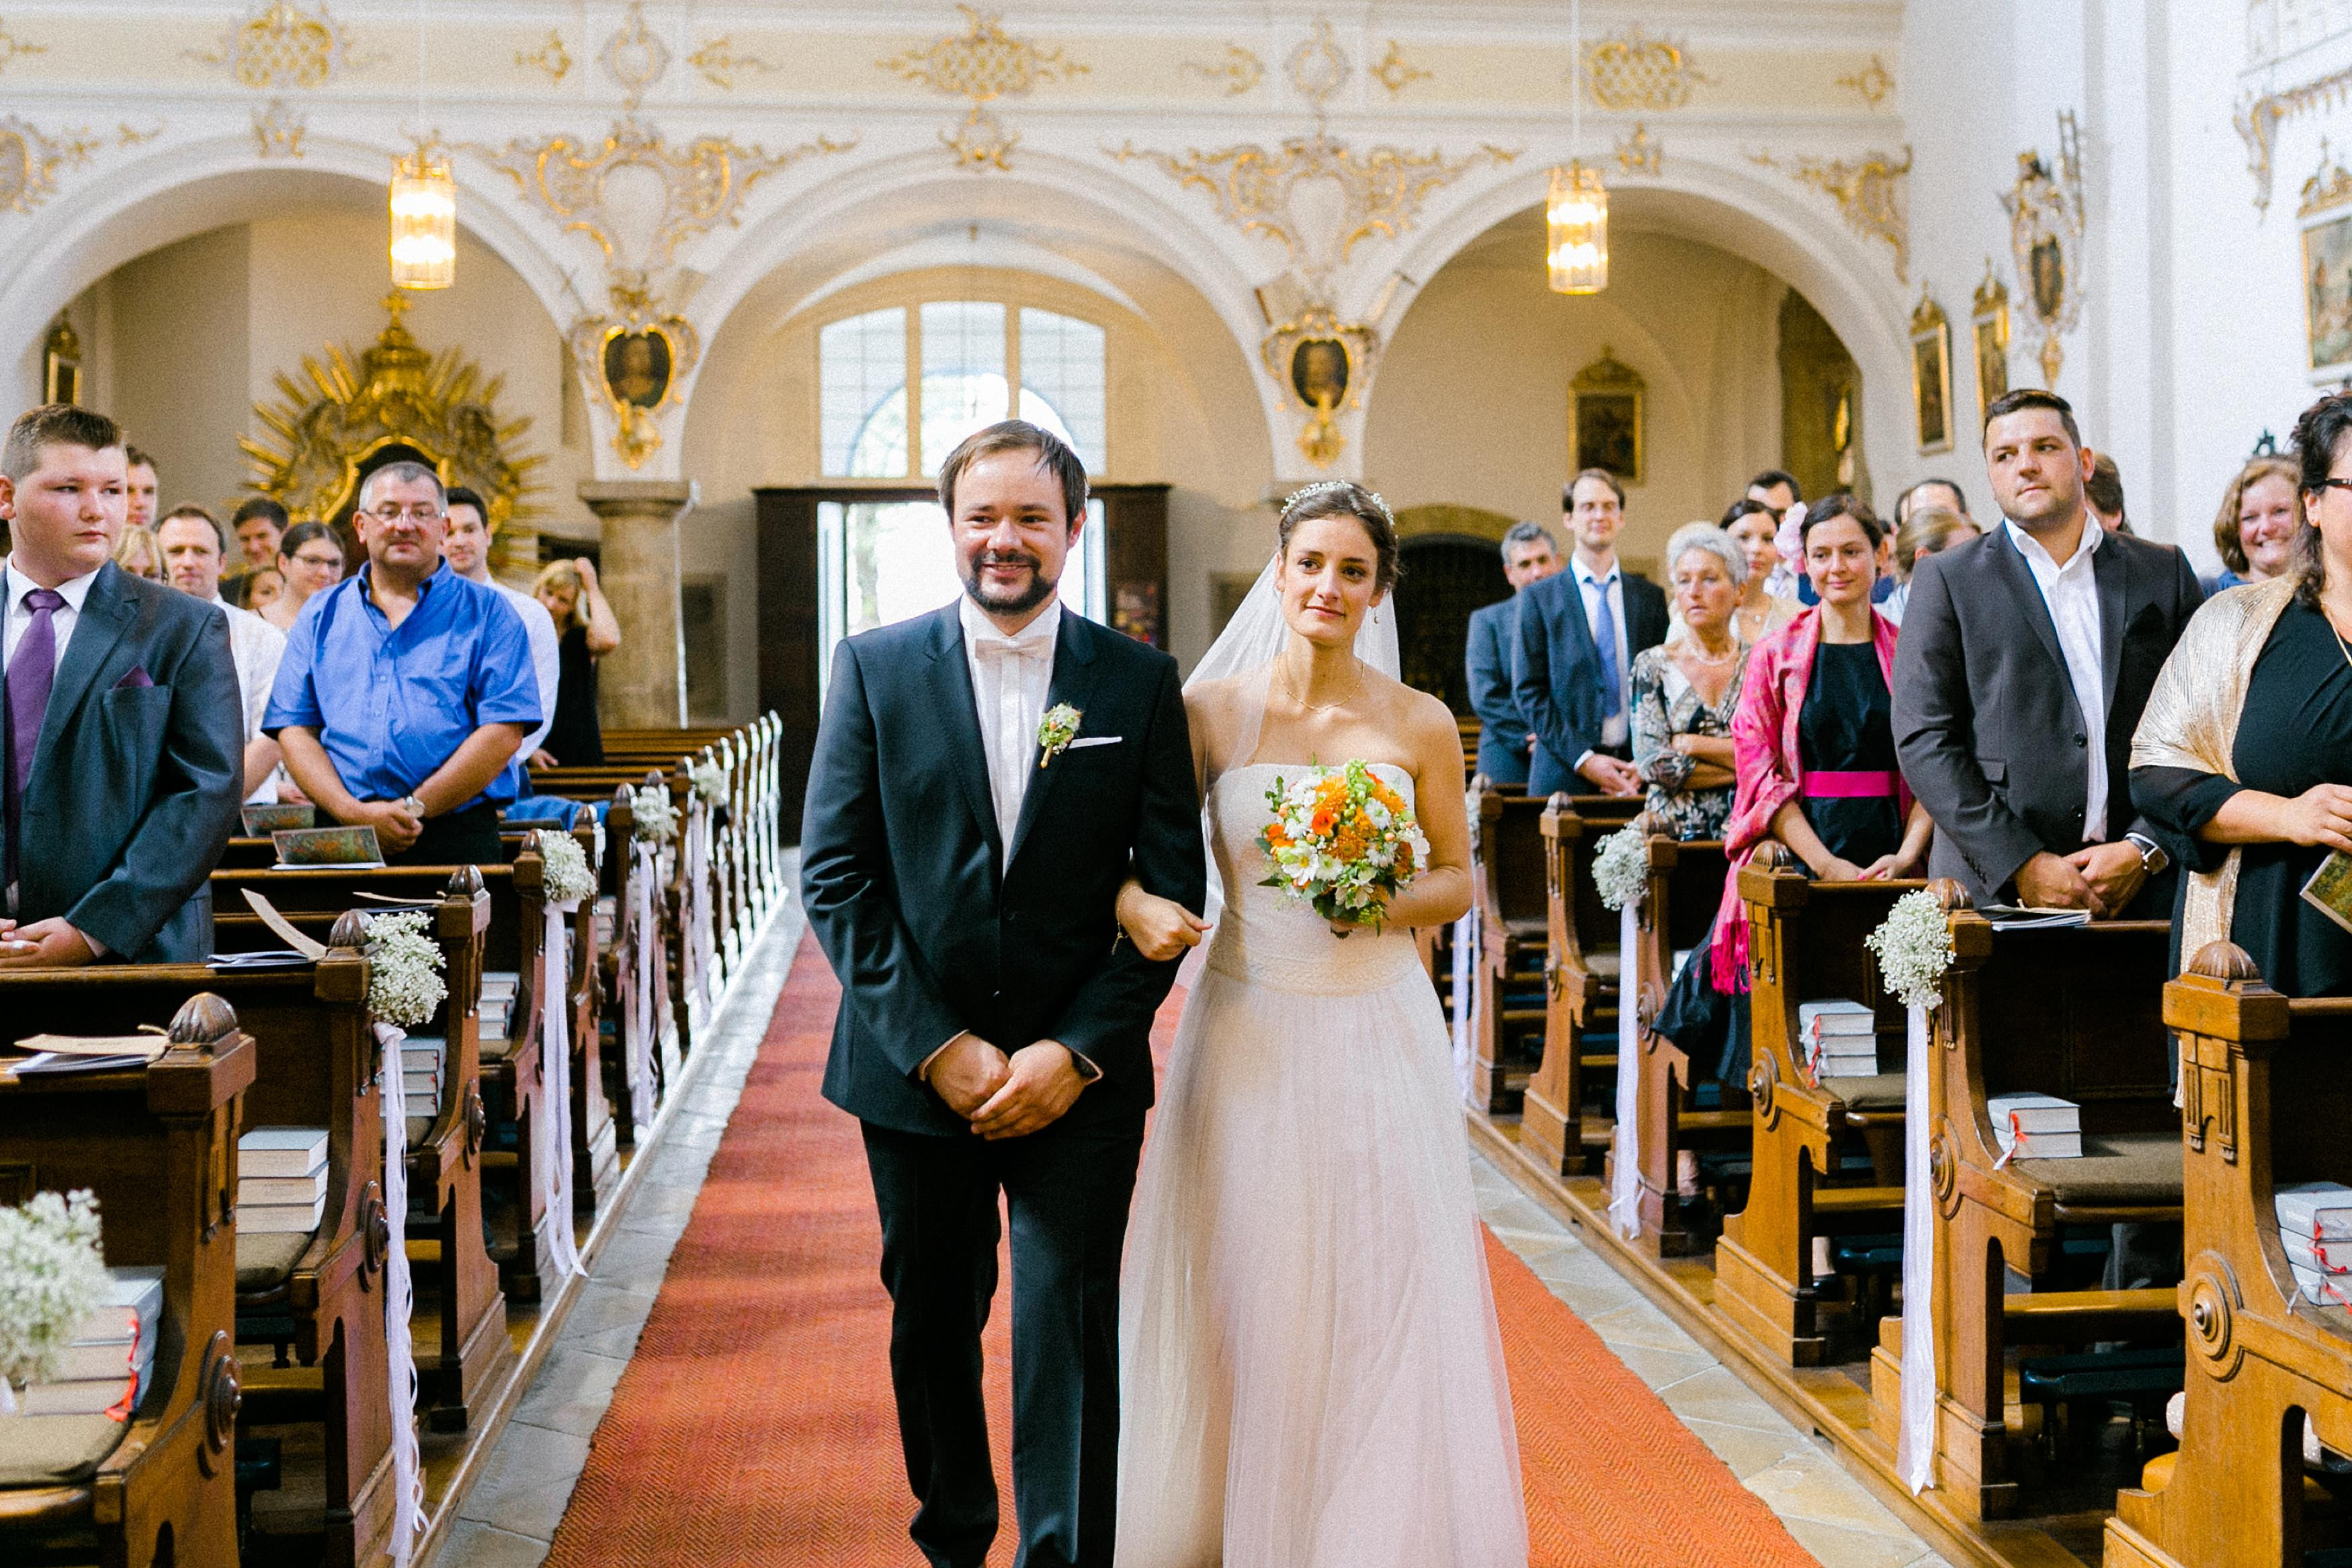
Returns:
<point x="1345" y="498"/>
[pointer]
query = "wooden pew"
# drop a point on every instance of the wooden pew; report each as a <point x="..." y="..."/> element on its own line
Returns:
<point x="2267" y="1090"/>
<point x="1805" y="945"/>
<point x="158" y="1145"/>
<point x="1580" y="968"/>
<point x="1507" y="986"/>
<point x="445" y="1147"/>
<point x="1685" y="884"/>
<point x="2075" y="1012"/>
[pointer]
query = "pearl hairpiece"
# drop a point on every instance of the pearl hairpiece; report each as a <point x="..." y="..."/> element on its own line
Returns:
<point x="1321" y="486"/>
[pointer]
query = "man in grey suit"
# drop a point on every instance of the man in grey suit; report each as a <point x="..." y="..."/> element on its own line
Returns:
<point x="2026" y="658"/>
<point x="122" y="734"/>
<point x="1529" y="555"/>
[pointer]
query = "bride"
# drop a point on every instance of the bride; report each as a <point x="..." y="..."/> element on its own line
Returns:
<point x="1311" y="1373"/>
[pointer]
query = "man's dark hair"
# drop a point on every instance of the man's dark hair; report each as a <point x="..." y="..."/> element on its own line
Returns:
<point x="258" y="506"/>
<point x="2023" y="398"/>
<point x="2105" y="490"/>
<point x="1568" y="491"/>
<point x="1054" y="457"/>
<point x="134" y="458"/>
<point x="189" y="509"/>
<point x="54" y="424"/>
<point x="1771" y="476"/>
<point x="467" y="495"/>
<point x="1910" y="498"/>
<point x="1528" y="534"/>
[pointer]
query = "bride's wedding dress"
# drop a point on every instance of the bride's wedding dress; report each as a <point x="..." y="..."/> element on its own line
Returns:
<point x="1313" y="1376"/>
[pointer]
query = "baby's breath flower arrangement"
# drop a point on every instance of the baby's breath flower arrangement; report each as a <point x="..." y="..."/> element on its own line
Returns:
<point x="657" y="817"/>
<point x="1914" y="945"/>
<point x="52" y="1276"/>
<point x="709" y="781"/>
<point x="568" y="876"/>
<point x="405" y="965"/>
<point x="1620" y="868"/>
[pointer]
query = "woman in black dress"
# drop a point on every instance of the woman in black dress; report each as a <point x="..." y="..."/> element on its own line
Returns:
<point x="2238" y="758"/>
<point x="585" y="623"/>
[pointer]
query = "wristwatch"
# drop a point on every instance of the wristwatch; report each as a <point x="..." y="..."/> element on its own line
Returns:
<point x="2152" y="858"/>
<point x="416" y="808"/>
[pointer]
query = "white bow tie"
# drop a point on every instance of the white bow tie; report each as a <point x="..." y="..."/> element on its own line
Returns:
<point x="1011" y="648"/>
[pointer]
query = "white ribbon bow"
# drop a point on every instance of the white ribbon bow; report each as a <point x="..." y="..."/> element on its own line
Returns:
<point x="408" y="1518"/>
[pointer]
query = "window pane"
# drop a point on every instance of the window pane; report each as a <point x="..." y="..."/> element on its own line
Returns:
<point x="862" y="395"/>
<point x="1062" y="381"/>
<point x="963" y="374"/>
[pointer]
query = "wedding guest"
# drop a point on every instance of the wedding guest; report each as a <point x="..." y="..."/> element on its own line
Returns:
<point x="309" y="562"/>
<point x="2027" y="656"/>
<point x="1926" y="532"/>
<point x="192" y="548"/>
<point x="257" y="591"/>
<point x="259" y="524"/>
<point x="2104" y="495"/>
<point x="1686" y="689"/>
<point x="468" y="550"/>
<point x="1777" y="489"/>
<point x="2256" y="527"/>
<point x="407" y="689"/>
<point x="1763" y="610"/>
<point x="138" y="510"/>
<point x="1944" y="493"/>
<point x="1577" y="634"/>
<point x="122" y="697"/>
<point x="584" y="623"/>
<point x="2240" y="757"/>
<point x="135" y="552"/>
<point x="1529" y="555"/>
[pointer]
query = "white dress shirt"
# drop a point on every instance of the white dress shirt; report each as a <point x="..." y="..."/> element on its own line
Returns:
<point x="256" y="646"/>
<point x="546" y="661"/>
<point x="1010" y="678"/>
<point x="2071" y="592"/>
<point x="1615" y="728"/>
<point x="62" y="621"/>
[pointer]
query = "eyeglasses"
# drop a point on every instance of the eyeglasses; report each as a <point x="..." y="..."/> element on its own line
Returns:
<point x="2333" y="484"/>
<point x="321" y="562"/>
<point x="420" y="514"/>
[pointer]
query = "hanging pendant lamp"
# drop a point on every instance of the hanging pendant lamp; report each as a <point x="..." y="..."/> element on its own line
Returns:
<point x="423" y="203"/>
<point x="1576" y="214"/>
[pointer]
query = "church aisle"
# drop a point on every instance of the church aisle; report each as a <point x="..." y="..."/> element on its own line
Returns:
<point x="751" y="1419"/>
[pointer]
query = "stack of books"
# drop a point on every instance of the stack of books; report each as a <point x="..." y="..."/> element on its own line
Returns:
<point x="497" y="1001"/>
<point x="606" y="907"/>
<point x="2315" y="1221"/>
<point x="1837" y="1039"/>
<point x="281" y="1180"/>
<point x="421" y="1059"/>
<point x="104" y="1370"/>
<point x="2036" y="1127"/>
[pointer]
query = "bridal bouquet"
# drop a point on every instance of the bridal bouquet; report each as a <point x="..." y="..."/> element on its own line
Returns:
<point x="1341" y="839"/>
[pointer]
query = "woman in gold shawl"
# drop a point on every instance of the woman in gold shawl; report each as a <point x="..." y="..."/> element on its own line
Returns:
<point x="2249" y="727"/>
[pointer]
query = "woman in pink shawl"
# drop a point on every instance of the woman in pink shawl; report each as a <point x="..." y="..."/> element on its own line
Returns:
<point x="1812" y="739"/>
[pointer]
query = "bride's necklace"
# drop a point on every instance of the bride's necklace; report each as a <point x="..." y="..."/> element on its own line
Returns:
<point x="1319" y="708"/>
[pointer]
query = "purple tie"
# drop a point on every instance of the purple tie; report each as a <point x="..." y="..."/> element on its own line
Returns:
<point x="31" y="673"/>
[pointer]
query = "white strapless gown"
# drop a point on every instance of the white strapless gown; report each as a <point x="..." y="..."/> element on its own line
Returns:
<point x="1311" y="1373"/>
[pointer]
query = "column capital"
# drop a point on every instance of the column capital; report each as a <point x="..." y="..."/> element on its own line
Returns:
<point x="662" y="500"/>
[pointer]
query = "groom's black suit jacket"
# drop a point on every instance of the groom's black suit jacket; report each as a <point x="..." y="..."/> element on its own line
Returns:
<point x="900" y="858"/>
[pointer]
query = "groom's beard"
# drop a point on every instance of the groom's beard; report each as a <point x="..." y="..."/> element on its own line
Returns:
<point x="1002" y="601"/>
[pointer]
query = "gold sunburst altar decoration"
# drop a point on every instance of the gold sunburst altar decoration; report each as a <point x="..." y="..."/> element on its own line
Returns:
<point x="396" y="395"/>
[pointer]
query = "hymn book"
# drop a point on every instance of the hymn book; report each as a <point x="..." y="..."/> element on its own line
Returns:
<point x="2329" y="890"/>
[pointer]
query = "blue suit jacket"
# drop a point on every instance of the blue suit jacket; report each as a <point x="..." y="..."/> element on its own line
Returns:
<point x="1559" y="679"/>
<point x="1492" y="656"/>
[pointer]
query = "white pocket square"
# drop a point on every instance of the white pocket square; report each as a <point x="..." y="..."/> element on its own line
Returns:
<point x="1084" y="741"/>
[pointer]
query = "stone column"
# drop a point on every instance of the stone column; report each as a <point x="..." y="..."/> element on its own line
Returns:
<point x="641" y="684"/>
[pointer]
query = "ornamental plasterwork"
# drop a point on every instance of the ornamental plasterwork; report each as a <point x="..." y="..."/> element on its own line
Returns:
<point x="1873" y="82"/>
<point x="2258" y="117"/>
<point x="1239" y="71"/>
<point x="1319" y="66"/>
<point x="2329" y="188"/>
<point x="1395" y="73"/>
<point x="720" y="65"/>
<point x="283" y="45"/>
<point x="702" y="185"/>
<point x="277" y="130"/>
<point x="1641" y="153"/>
<point x="982" y="64"/>
<point x="1636" y="71"/>
<point x="635" y="314"/>
<point x="12" y="46"/>
<point x="2045" y="238"/>
<point x="634" y="56"/>
<point x="1869" y="193"/>
<point x="29" y="160"/>
<point x="551" y="57"/>
<point x="125" y="136"/>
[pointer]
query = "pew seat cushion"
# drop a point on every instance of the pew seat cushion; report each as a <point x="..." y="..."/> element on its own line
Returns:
<point x="1881" y="1092"/>
<point x="264" y="1261"/>
<point x="1602" y="966"/>
<point x="2114" y="1168"/>
<point x="54" y="1450"/>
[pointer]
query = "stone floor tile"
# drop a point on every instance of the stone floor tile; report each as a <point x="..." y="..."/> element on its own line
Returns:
<point x="571" y="1392"/>
<point x="1812" y="1485"/>
<point x="1662" y="1369"/>
<point x="1835" y="1547"/>
<point x="528" y="1482"/>
<point x="601" y="1308"/>
<point x="1715" y="1394"/>
<point x="1640" y="1323"/>
<point x="1744" y="1448"/>
<point x="472" y="1545"/>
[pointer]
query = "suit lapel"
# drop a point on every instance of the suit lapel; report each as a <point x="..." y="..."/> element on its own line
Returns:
<point x="106" y="614"/>
<point x="1074" y="683"/>
<point x="2109" y="567"/>
<point x="960" y="711"/>
<point x="2030" y="603"/>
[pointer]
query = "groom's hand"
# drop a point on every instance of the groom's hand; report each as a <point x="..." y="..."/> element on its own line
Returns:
<point x="1045" y="1084"/>
<point x="966" y="1072"/>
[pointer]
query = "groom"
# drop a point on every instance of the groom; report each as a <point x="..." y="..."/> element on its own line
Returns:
<point x="985" y="778"/>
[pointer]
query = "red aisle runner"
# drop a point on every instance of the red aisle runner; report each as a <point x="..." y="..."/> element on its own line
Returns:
<point x="754" y="1425"/>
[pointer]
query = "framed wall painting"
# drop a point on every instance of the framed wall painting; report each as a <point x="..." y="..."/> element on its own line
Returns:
<point x="1989" y="321"/>
<point x="61" y="363"/>
<point x="1605" y="417"/>
<point x="1931" y="375"/>
<point x="2327" y="269"/>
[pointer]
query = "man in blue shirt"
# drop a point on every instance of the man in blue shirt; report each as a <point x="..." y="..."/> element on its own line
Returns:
<point x="406" y="690"/>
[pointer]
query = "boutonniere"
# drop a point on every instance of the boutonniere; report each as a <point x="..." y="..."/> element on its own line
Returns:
<point x="1055" y="731"/>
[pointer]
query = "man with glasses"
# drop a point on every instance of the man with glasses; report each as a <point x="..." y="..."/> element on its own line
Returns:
<point x="405" y="695"/>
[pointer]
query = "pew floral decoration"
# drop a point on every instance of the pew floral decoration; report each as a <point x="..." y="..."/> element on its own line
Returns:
<point x="568" y="876"/>
<point x="1914" y="945"/>
<point x="52" y="1277"/>
<point x="405" y="964"/>
<point x="1620" y="868"/>
<point x="657" y="817"/>
<point x="709" y="781"/>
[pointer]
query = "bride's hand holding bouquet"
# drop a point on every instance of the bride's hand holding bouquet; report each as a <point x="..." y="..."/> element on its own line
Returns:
<point x="1342" y="842"/>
